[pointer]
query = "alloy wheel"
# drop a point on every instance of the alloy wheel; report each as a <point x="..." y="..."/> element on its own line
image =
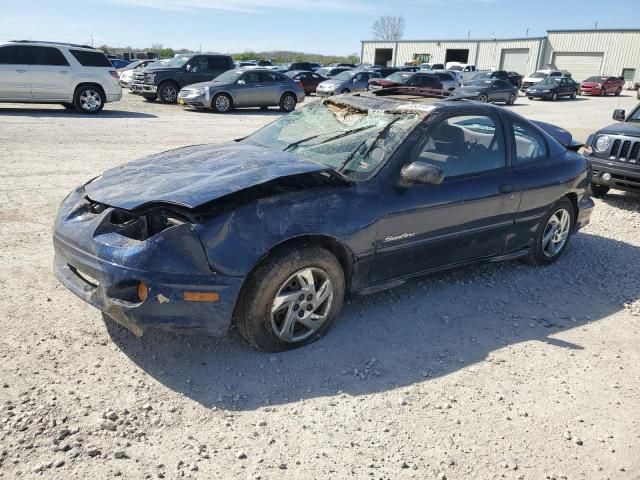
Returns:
<point x="90" y="100"/>
<point x="222" y="103"/>
<point x="302" y="304"/>
<point x="556" y="233"/>
<point x="289" y="103"/>
<point x="169" y="94"/>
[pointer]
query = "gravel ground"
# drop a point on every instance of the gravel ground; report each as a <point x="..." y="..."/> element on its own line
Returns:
<point x="495" y="371"/>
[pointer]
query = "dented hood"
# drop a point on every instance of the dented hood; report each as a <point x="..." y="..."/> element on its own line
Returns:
<point x="193" y="176"/>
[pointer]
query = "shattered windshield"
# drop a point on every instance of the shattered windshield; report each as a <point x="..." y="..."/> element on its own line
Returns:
<point x="352" y="142"/>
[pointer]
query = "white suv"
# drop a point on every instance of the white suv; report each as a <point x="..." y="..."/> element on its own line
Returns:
<point x="77" y="76"/>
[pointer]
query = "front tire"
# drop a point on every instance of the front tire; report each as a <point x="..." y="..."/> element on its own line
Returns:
<point x="511" y="100"/>
<point x="89" y="99"/>
<point x="599" y="191"/>
<point x="554" y="97"/>
<point x="483" y="98"/>
<point x="288" y="102"/>
<point x="168" y="92"/>
<point x="574" y="95"/>
<point x="552" y="236"/>
<point x="618" y="91"/>
<point x="291" y="299"/>
<point x="222" y="103"/>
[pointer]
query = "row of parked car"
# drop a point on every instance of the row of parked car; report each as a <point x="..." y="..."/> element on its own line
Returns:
<point x="81" y="77"/>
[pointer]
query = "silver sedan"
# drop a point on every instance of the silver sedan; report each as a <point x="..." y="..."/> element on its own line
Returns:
<point x="244" y="88"/>
<point x="346" y="82"/>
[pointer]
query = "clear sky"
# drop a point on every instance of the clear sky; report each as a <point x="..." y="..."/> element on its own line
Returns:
<point x="314" y="26"/>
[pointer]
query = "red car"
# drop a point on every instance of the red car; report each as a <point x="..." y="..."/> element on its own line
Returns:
<point x="601" y="85"/>
<point x="409" y="79"/>
<point x="309" y="80"/>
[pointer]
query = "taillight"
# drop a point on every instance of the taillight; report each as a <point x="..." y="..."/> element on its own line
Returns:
<point x="114" y="74"/>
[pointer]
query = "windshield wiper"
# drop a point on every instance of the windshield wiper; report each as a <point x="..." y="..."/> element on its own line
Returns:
<point x="342" y="134"/>
<point x="375" y="140"/>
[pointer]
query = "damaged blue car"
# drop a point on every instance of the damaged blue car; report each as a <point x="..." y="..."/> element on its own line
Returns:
<point x="353" y="194"/>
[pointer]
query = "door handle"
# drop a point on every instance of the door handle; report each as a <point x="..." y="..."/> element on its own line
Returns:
<point x="506" y="188"/>
<point x="64" y="72"/>
<point x="21" y="71"/>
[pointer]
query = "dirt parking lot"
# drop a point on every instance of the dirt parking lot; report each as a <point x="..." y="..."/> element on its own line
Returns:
<point x="495" y="371"/>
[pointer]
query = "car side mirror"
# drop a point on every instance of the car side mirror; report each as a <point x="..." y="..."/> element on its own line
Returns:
<point x="241" y="82"/>
<point x="188" y="68"/>
<point x="619" y="115"/>
<point x="421" y="173"/>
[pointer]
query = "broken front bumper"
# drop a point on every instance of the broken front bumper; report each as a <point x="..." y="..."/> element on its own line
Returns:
<point x="105" y="268"/>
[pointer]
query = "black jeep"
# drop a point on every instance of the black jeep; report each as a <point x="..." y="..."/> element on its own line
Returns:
<point x="165" y="80"/>
<point x="614" y="152"/>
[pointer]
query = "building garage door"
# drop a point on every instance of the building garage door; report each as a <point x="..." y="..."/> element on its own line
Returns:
<point x="515" y="60"/>
<point x="581" y="65"/>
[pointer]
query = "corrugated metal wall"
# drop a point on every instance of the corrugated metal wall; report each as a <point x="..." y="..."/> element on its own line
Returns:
<point x="483" y="53"/>
<point x="620" y="49"/>
<point x="490" y="53"/>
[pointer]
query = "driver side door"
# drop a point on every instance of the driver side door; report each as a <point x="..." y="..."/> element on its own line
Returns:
<point x="467" y="216"/>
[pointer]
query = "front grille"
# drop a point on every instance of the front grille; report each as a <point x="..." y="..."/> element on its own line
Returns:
<point x="139" y="76"/>
<point x="625" y="150"/>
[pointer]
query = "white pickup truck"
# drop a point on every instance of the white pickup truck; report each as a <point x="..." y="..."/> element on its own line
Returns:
<point x="466" y="71"/>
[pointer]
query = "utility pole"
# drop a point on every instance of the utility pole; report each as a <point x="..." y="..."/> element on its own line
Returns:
<point x="527" y="34"/>
<point x="596" y="26"/>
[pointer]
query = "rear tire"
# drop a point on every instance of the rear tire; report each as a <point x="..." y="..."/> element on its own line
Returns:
<point x="618" y="92"/>
<point x="603" y="92"/>
<point x="512" y="99"/>
<point x="89" y="99"/>
<point x="574" y="95"/>
<point x="260" y="319"/>
<point x="346" y="90"/>
<point x="483" y="98"/>
<point x="599" y="191"/>
<point x="554" y="96"/>
<point x="288" y="102"/>
<point x="553" y="234"/>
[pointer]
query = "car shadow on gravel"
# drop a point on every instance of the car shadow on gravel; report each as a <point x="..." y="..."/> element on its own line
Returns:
<point x="623" y="200"/>
<point x="64" y="113"/>
<point x="422" y="330"/>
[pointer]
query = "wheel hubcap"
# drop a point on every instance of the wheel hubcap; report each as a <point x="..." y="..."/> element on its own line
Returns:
<point x="289" y="103"/>
<point x="90" y="100"/>
<point x="302" y="305"/>
<point x="222" y="103"/>
<point x="556" y="233"/>
<point x="169" y="94"/>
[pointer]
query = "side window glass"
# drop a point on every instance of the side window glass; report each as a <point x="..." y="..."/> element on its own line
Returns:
<point x="47" y="56"/>
<point x="252" y="78"/>
<point x="198" y="64"/>
<point x="464" y="145"/>
<point x="13" y="55"/>
<point x="530" y="144"/>
<point x="361" y="77"/>
<point x="218" y="63"/>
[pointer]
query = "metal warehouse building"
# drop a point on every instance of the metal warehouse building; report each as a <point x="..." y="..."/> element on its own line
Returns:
<point x="581" y="52"/>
